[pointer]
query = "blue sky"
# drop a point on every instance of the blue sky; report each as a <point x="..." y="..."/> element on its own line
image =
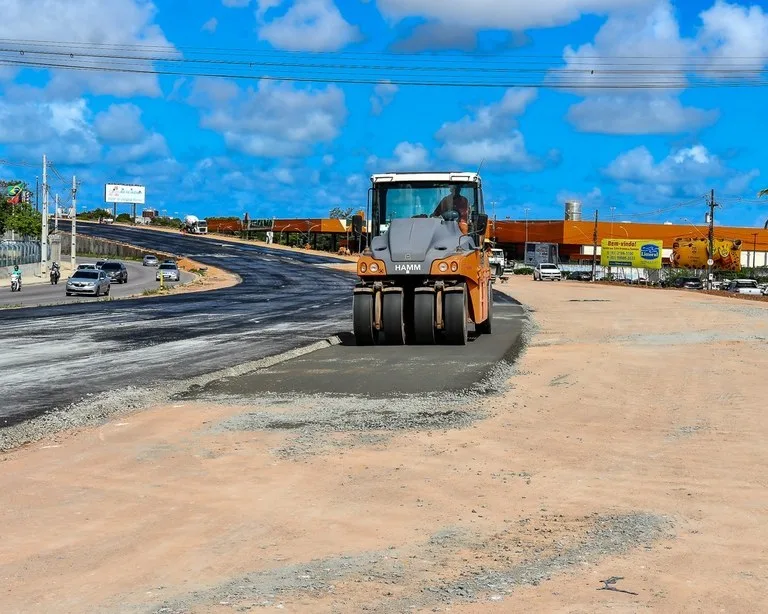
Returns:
<point x="224" y="146"/>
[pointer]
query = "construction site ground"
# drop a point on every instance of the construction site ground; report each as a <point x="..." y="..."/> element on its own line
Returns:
<point x="620" y="467"/>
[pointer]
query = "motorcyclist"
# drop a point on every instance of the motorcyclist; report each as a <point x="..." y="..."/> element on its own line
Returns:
<point x="16" y="273"/>
<point x="55" y="273"/>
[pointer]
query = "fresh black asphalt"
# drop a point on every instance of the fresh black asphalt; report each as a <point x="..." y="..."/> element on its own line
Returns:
<point x="55" y="356"/>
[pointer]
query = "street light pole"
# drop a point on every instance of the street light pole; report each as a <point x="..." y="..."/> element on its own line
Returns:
<point x="44" y="233"/>
<point x="73" y="238"/>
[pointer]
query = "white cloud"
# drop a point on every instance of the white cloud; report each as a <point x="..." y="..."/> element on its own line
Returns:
<point x="309" y="25"/>
<point x="59" y="129"/>
<point x="383" y="94"/>
<point x="406" y="157"/>
<point x="686" y="172"/>
<point x="589" y="200"/>
<point x="120" y="123"/>
<point x="491" y="134"/>
<point x="262" y="6"/>
<point x="441" y="36"/>
<point x="741" y="184"/>
<point x="729" y="35"/>
<point x="127" y="22"/>
<point x="275" y="119"/>
<point x="210" y="25"/>
<point x="500" y="14"/>
<point x="238" y="4"/>
<point x="152" y="146"/>
<point x="638" y="114"/>
<point x="733" y="34"/>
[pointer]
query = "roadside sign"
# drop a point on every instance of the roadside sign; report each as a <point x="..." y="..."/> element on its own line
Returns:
<point x="710" y="262"/>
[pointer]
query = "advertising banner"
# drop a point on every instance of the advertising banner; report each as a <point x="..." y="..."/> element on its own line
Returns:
<point x="120" y="193"/>
<point x="636" y="253"/>
<point x="693" y="252"/>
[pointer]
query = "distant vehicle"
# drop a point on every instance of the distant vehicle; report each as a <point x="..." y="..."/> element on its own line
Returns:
<point x="106" y="220"/>
<point x="689" y="283"/>
<point x="150" y="260"/>
<point x="116" y="271"/>
<point x="194" y="225"/>
<point x="99" y="263"/>
<point x="744" y="286"/>
<point x="87" y="281"/>
<point x="547" y="270"/>
<point x="169" y="271"/>
<point x="87" y="267"/>
<point x="497" y="260"/>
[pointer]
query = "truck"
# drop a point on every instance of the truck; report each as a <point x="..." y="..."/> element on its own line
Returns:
<point x="745" y="286"/>
<point x="423" y="276"/>
<point x="498" y="261"/>
<point x="194" y="226"/>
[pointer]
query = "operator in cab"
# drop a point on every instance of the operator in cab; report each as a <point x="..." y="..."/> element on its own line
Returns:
<point x="455" y="202"/>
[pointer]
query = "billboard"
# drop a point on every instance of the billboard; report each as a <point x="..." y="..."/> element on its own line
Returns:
<point x="693" y="252"/>
<point x="121" y="193"/>
<point x="637" y="253"/>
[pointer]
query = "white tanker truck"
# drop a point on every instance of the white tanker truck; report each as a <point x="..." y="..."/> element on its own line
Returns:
<point x="194" y="226"/>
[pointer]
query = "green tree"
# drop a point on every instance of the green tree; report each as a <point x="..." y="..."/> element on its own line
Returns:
<point x="124" y="217"/>
<point x="21" y="218"/>
<point x="338" y="213"/>
<point x="94" y="215"/>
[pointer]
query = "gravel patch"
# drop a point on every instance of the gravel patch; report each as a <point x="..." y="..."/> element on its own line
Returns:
<point x="97" y="409"/>
<point x="411" y="570"/>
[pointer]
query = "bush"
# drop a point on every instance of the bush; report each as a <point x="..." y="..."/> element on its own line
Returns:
<point x="526" y="270"/>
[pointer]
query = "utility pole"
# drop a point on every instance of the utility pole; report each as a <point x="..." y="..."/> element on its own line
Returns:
<point x="37" y="194"/>
<point x="493" y="205"/>
<point x="73" y="244"/>
<point x="56" y="215"/>
<point x="710" y="256"/>
<point x="594" y="249"/>
<point x="44" y="234"/>
<point x="754" y="254"/>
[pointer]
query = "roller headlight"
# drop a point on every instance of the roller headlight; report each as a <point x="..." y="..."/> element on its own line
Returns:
<point x="443" y="267"/>
<point x="454" y="266"/>
<point x="363" y="267"/>
<point x="374" y="267"/>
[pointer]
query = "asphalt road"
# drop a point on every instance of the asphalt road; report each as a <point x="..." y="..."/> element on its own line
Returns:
<point x="140" y="278"/>
<point x="54" y="356"/>
<point x="386" y="371"/>
<point x="62" y="354"/>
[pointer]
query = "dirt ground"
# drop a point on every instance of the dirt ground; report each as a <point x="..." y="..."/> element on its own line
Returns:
<point x="630" y="447"/>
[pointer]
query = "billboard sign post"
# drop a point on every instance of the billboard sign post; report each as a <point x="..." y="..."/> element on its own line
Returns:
<point x="129" y="194"/>
<point x="633" y="253"/>
<point x="693" y="253"/>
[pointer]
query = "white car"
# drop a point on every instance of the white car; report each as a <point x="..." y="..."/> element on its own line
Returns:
<point x="169" y="271"/>
<point x="547" y="270"/>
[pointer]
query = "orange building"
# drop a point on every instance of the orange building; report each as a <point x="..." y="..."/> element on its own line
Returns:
<point x="575" y="239"/>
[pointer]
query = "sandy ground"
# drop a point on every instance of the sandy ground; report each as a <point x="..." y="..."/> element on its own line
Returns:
<point x="630" y="444"/>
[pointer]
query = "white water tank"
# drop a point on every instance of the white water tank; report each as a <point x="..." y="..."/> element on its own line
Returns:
<point x="190" y="220"/>
<point x="573" y="210"/>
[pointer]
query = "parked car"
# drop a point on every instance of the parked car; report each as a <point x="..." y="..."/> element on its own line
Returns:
<point x="88" y="281"/>
<point x="744" y="286"/>
<point x="89" y="266"/>
<point x="169" y="271"/>
<point x="116" y="271"/>
<point x="150" y="260"/>
<point x="689" y="283"/>
<point x="547" y="270"/>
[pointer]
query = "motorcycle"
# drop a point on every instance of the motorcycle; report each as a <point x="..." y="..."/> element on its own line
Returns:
<point x="15" y="282"/>
<point x="55" y="274"/>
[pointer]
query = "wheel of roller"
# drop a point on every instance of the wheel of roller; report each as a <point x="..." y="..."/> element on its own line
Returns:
<point x="362" y="319"/>
<point x="393" y="322"/>
<point x="424" y="318"/>
<point x="455" y="316"/>
<point x="484" y="328"/>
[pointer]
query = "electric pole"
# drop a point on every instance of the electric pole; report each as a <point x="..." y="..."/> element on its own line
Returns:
<point x="44" y="234"/>
<point x="711" y="255"/>
<point x="73" y="244"/>
<point x="56" y="215"/>
<point x="594" y="249"/>
<point x="754" y="254"/>
<point x="37" y="194"/>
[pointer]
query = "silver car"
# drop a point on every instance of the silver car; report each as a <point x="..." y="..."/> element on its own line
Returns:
<point x="150" y="260"/>
<point x="169" y="271"/>
<point x="87" y="281"/>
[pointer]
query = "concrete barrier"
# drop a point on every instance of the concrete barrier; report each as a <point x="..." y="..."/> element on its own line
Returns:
<point x="93" y="246"/>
